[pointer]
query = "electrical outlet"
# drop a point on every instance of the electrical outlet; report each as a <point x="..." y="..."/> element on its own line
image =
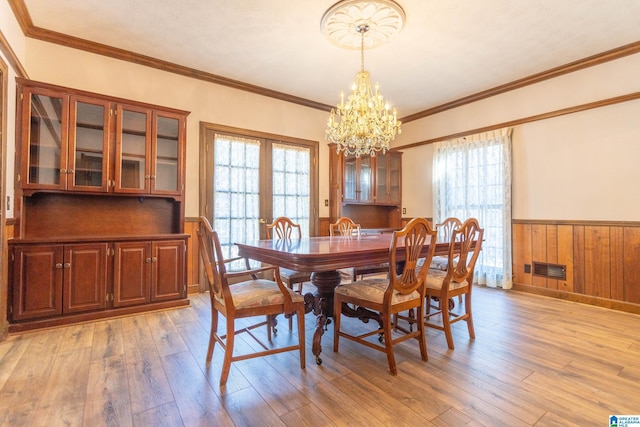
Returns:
<point x="326" y="202"/>
<point x="8" y="203"/>
<point x="404" y="211"/>
<point x="527" y="268"/>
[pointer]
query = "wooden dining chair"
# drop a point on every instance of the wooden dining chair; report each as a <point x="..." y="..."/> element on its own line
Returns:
<point x="457" y="280"/>
<point x="445" y="231"/>
<point x="398" y="292"/>
<point x="284" y="229"/>
<point x="249" y="298"/>
<point x="345" y="226"/>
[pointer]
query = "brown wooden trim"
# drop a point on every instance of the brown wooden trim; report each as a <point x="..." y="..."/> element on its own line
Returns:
<point x="96" y="315"/>
<point x="11" y="56"/>
<point x="148" y="61"/>
<point x="217" y="128"/>
<point x="610" y="55"/>
<point x="22" y="15"/>
<point x="584" y="299"/>
<point x="577" y="222"/>
<point x="79" y="92"/>
<point x="534" y="118"/>
<point x="11" y="221"/>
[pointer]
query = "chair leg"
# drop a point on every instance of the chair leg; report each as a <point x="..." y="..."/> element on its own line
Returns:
<point x="422" y="339"/>
<point x="337" y="314"/>
<point x="446" y="322"/>
<point x="467" y="307"/>
<point x="212" y="340"/>
<point x="388" y="344"/>
<point x="301" y="337"/>
<point x="228" y="353"/>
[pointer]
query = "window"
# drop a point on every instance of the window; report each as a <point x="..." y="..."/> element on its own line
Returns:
<point x="472" y="178"/>
<point x="254" y="179"/>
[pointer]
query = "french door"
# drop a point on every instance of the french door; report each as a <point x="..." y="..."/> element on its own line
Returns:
<point x="251" y="178"/>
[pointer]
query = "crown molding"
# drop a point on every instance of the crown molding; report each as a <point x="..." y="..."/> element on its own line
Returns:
<point x="29" y="30"/>
<point x="610" y="55"/>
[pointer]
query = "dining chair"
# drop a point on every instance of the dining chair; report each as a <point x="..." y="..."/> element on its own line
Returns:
<point x="248" y="298"/>
<point x="456" y="280"/>
<point x="440" y="262"/>
<point x="389" y="296"/>
<point x="345" y="226"/>
<point x="284" y="229"/>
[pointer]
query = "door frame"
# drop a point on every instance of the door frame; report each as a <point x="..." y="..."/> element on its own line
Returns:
<point x="4" y="289"/>
<point x="207" y="132"/>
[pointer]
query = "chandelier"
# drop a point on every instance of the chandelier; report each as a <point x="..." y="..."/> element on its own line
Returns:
<point x="364" y="124"/>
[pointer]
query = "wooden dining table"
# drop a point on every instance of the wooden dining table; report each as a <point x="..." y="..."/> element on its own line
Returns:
<point x="323" y="257"/>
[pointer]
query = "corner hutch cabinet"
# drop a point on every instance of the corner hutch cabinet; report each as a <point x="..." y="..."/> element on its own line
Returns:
<point x="99" y="207"/>
<point x="366" y="189"/>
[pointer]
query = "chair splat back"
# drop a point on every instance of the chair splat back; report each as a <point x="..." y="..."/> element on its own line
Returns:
<point x="283" y="228"/>
<point x="469" y="238"/>
<point x="412" y="240"/>
<point x="344" y="227"/>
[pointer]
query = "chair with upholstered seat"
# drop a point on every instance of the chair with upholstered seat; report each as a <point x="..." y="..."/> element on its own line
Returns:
<point x="347" y="227"/>
<point x="457" y="280"/>
<point x="285" y="229"/>
<point x="389" y="296"/>
<point x="249" y="298"/>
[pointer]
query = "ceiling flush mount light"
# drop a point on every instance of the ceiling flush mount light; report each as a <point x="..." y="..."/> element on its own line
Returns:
<point x="365" y="123"/>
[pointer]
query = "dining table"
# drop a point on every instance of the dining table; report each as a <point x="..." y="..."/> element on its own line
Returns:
<point x="323" y="257"/>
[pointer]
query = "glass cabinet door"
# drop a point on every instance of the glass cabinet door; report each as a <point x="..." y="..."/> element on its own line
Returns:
<point x="132" y="150"/>
<point x="44" y="149"/>
<point x="350" y="178"/>
<point x="88" y="145"/>
<point x="166" y="174"/>
<point x="382" y="193"/>
<point x="395" y="179"/>
<point x="366" y="179"/>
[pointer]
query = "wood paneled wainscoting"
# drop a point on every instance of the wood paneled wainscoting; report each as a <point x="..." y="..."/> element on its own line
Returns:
<point x="593" y="262"/>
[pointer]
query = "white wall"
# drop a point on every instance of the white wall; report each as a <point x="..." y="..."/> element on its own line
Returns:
<point x="207" y="102"/>
<point x="580" y="166"/>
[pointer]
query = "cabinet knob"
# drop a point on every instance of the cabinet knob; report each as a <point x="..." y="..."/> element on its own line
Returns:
<point x="154" y="259"/>
<point x="67" y="265"/>
<point x="147" y="260"/>
<point x="147" y="176"/>
<point x="63" y="171"/>
<point x="69" y="170"/>
<point x="58" y="265"/>
<point x="153" y="177"/>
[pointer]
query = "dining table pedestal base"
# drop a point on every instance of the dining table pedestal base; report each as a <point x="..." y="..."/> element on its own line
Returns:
<point x="321" y="303"/>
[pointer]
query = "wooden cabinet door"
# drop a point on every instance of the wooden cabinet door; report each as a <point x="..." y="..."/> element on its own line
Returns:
<point x="88" y="157"/>
<point x="44" y="139"/>
<point x="168" y="273"/>
<point x="388" y="179"/>
<point x="358" y="179"/>
<point x="37" y="281"/>
<point x="85" y="277"/>
<point x="133" y="149"/>
<point x="131" y="273"/>
<point x="395" y="178"/>
<point x="167" y="153"/>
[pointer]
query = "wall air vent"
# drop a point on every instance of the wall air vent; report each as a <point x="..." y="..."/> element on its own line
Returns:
<point x="551" y="271"/>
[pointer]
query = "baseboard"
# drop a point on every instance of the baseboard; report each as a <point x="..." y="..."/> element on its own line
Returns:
<point x="581" y="298"/>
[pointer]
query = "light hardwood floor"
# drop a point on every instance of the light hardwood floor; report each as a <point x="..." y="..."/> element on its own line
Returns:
<point x="535" y="361"/>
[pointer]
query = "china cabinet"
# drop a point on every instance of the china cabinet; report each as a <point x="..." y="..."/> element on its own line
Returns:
<point x="99" y="207"/>
<point x="367" y="189"/>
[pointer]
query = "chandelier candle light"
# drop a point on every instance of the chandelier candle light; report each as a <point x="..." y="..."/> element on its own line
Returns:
<point x="364" y="124"/>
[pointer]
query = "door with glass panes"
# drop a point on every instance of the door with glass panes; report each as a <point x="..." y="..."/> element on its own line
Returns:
<point x="255" y="180"/>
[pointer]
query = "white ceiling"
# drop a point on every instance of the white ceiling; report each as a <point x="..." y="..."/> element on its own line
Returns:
<point x="447" y="50"/>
